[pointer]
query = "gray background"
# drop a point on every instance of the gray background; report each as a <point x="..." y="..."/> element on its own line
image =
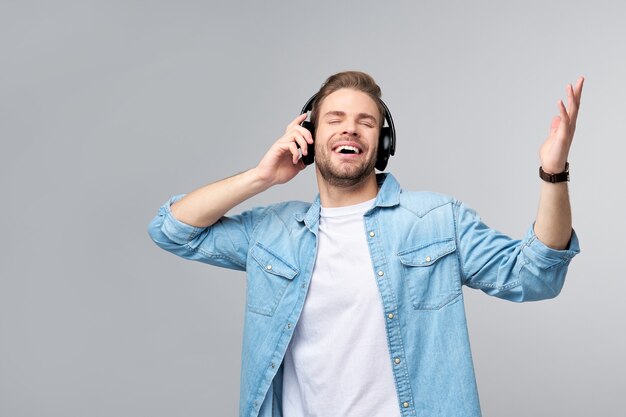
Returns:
<point x="107" y="108"/>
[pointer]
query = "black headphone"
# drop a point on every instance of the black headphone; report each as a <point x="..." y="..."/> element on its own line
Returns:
<point x="386" y="140"/>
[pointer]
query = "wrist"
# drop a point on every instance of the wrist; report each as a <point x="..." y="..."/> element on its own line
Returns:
<point x="258" y="181"/>
<point x="555" y="177"/>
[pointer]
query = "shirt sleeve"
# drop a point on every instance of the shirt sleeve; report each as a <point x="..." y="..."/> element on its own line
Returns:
<point x="223" y="244"/>
<point x="515" y="270"/>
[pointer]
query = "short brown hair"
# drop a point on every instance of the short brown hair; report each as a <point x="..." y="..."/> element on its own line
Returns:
<point x="354" y="80"/>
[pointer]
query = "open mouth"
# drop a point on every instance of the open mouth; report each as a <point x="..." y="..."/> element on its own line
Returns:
<point x="347" y="150"/>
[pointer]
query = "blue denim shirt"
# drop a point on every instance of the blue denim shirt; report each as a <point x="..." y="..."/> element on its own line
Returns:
<point x="423" y="246"/>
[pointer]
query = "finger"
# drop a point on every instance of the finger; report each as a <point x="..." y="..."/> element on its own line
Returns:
<point x="572" y="104"/>
<point x="294" y="136"/>
<point x="576" y="94"/>
<point x="571" y="100"/>
<point x="300" y="141"/>
<point x="563" y="112"/>
<point x="295" y="153"/>
<point x="306" y="133"/>
<point x="296" y="122"/>
<point x="564" y="130"/>
<point x="578" y="90"/>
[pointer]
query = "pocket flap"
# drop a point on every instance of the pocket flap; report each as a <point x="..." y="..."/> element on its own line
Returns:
<point x="427" y="254"/>
<point x="272" y="263"/>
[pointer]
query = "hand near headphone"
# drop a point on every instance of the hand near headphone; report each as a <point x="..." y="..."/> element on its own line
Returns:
<point x="282" y="161"/>
<point x="206" y="205"/>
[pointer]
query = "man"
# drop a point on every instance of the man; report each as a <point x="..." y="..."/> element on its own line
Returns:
<point x="354" y="302"/>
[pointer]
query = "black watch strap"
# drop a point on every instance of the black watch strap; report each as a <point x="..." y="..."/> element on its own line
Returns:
<point x="560" y="177"/>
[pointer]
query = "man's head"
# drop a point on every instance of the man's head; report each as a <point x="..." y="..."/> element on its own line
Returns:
<point x="348" y="117"/>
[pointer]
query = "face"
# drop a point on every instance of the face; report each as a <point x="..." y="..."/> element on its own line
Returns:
<point x="346" y="137"/>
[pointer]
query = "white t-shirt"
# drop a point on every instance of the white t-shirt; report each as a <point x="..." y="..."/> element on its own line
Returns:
<point x="338" y="361"/>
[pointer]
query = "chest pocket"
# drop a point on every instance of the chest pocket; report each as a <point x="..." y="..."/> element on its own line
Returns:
<point x="431" y="273"/>
<point x="268" y="280"/>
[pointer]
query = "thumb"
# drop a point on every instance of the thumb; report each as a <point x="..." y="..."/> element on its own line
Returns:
<point x="556" y="121"/>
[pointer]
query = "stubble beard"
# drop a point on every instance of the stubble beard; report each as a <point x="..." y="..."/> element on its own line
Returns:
<point x="344" y="175"/>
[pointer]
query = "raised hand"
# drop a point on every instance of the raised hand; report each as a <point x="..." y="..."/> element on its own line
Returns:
<point x="555" y="149"/>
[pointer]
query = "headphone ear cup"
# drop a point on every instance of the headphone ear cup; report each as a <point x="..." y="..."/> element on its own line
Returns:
<point x="384" y="148"/>
<point x="309" y="158"/>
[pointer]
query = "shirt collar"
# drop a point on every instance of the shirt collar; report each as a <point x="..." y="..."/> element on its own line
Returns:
<point x="388" y="196"/>
<point x="388" y="192"/>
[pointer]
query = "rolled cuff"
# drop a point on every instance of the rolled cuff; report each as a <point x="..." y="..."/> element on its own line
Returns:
<point x="175" y="230"/>
<point x="545" y="256"/>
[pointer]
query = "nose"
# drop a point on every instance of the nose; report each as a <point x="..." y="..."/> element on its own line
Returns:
<point x="349" y="128"/>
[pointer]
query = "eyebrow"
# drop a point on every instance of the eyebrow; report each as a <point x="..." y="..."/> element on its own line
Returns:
<point x="359" y="116"/>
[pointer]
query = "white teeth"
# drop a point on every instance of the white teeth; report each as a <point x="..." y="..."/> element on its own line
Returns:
<point x="348" y="148"/>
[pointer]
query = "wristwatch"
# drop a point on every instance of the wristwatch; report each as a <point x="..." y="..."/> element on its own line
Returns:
<point x="560" y="177"/>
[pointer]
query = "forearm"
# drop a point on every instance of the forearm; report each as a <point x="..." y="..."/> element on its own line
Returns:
<point x="206" y="205"/>
<point x="553" y="225"/>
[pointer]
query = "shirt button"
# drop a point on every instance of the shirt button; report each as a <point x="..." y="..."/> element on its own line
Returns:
<point x="405" y="404"/>
<point x="372" y="234"/>
<point x="428" y="259"/>
<point x="396" y="361"/>
<point x="390" y="316"/>
<point x="289" y="325"/>
<point x="381" y="273"/>
<point x="269" y="267"/>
